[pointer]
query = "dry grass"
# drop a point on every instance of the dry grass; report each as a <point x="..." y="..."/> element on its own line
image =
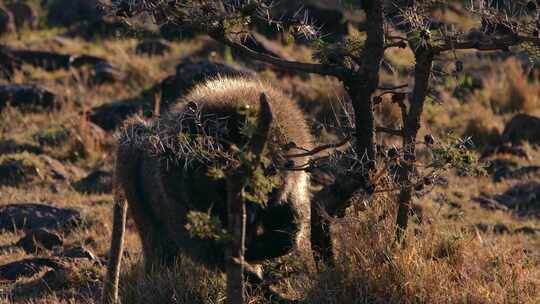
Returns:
<point x="446" y="258"/>
<point x="441" y="262"/>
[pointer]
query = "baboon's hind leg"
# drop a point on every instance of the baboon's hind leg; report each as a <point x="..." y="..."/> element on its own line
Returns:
<point x="110" y="290"/>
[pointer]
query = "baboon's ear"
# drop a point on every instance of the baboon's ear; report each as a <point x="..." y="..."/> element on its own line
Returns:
<point x="264" y="120"/>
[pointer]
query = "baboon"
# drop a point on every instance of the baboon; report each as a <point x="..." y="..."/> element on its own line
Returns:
<point x="161" y="179"/>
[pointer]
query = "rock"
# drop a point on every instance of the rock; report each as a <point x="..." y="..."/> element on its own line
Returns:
<point x="60" y="171"/>
<point x="51" y="136"/>
<point x="98" y="181"/>
<point x="501" y="168"/>
<point x="482" y="227"/>
<point x="524" y="199"/>
<point x="106" y="73"/>
<point x="8" y="146"/>
<point x="500" y="228"/>
<point x="84" y="60"/>
<point x="56" y="279"/>
<point x="520" y="173"/>
<point x="527" y="230"/>
<point x="506" y="149"/>
<point x="49" y="61"/>
<point x="489" y="203"/>
<point x="26" y="268"/>
<point x="57" y="168"/>
<point x="521" y="128"/>
<point x="15" y="171"/>
<point x="188" y="74"/>
<point x="78" y="252"/>
<point x="109" y="116"/>
<point x="70" y="12"/>
<point x="24" y="15"/>
<point x="32" y="216"/>
<point x="8" y="62"/>
<point x="6" y="21"/>
<point x="28" y="97"/>
<point x="152" y="47"/>
<point x="39" y="240"/>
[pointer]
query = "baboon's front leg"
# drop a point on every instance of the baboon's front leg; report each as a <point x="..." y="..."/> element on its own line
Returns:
<point x="110" y="290"/>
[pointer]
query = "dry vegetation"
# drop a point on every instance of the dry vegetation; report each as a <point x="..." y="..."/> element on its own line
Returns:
<point x="457" y="251"/>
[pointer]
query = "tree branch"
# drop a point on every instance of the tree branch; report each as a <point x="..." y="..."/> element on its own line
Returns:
<point x="315" y="68"/>
<point x="390" y="131"/>
<point x="321" y="148"/>
<point x="489" y="44"/>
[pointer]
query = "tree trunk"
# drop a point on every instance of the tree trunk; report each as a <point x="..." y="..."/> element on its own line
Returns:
<point x="360" y="86"/>
<point x="236" y="291"/>
<point x="422" y="74"/>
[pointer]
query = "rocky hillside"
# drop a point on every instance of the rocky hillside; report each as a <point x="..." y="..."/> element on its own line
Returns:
<point x="69" y="76"/>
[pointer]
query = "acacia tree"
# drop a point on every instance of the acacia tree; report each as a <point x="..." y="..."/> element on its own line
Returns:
<point x="357" y="64"/>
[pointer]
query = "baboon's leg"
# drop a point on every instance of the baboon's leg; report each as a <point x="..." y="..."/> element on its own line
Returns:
<point x="150" y="211"/>
<point x="279" y="236"/>
<point x="110" y="290"/>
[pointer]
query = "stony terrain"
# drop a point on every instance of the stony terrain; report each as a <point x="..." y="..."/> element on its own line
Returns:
<point x="69" y="77"/>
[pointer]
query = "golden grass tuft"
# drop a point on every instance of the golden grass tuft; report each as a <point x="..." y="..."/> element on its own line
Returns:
<point x="509" y="90"/>
<point x="440" y="263"/>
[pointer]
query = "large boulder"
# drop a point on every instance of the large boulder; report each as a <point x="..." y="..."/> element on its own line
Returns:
<point x="27" y="97"/>
<point x="522" y="128"/>
<point x="31" y="216"/>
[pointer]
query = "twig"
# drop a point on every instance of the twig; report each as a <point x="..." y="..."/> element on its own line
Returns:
<point x="390" y="131"/>
<point x="321" y="148"/>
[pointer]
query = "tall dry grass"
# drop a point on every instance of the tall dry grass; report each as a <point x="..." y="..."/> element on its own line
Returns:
<point x="442" y="261"/>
